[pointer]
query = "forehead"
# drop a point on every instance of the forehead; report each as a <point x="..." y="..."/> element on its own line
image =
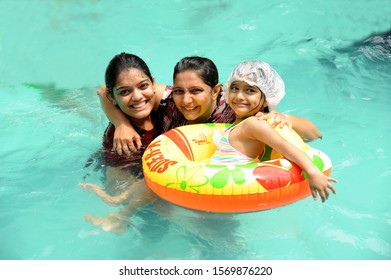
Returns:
<point x="242" y="84"/>
<point x="131" y="75"/>
<point x="188" y="78"/>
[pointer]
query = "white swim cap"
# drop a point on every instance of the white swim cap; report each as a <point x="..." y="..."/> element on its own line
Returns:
<point x="262" y="75"/>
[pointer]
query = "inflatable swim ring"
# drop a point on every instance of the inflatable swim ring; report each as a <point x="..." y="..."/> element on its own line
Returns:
<point x="176" y="168"/>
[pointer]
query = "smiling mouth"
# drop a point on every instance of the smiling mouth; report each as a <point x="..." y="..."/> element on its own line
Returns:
<point x="240" y="105"/>
<point x="139" y="105"/>
<point x="190" y="109"/>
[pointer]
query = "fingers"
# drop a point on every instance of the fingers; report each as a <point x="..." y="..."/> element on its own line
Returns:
<point x="138" y="143"/>
<point x="332" y="179"/>
<point x="117" y="147"/>
<point x="260" y="115"/>
<point x="314" y="194"/>
<point x="332" y="188"/>
<point x="101" y="90"/>
<point x="324" y="194"/>
<point x="126" y="146"/>
<point x="85" y="186"/>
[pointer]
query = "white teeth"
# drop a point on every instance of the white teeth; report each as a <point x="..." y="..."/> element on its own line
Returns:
<point x="139" y="105"/>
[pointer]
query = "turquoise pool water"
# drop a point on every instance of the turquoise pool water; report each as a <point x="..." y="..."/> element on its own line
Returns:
<point x="335" y="58"/>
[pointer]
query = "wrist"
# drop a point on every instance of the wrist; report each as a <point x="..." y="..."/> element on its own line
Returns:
<point x="312" y="171"/>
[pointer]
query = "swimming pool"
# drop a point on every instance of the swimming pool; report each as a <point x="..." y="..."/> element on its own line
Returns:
<point x="54" y="56"/>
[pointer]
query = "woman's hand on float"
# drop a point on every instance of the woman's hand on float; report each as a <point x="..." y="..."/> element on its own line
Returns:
<point x="126" y="139"/>
<point x="278" y="118"/>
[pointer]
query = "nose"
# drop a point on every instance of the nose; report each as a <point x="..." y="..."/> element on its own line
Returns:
<point x="137" y="95"/>
<point x="187" y="98"/>
<point x="239" y="95"/>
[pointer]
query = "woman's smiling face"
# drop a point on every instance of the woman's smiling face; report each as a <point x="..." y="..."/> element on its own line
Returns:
<point x="134" y="93"/>
<point x="193" y="98"/>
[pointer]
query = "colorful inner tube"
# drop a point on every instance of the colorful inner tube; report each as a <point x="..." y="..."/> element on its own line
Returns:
<point x="176" y="167"/>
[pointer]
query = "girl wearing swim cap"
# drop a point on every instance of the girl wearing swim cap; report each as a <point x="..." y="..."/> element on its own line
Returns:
<point x="253" y="86"/>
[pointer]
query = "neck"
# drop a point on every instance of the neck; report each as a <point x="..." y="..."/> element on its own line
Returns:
<point x="145" y="123"/>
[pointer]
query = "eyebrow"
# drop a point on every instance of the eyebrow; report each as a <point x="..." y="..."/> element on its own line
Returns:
<point x="123" y="87"/>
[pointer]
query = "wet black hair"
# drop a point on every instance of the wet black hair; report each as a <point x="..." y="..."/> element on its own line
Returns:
<point x="121" y="62"/>
<point x="205" y="68"/>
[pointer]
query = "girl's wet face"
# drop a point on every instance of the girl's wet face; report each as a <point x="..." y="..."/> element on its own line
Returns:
<point x="193" y="98"/>
<point x="245" y="100"/>
<point x="134" y="93"/>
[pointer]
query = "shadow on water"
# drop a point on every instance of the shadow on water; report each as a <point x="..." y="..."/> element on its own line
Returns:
<point x="367" y="60"/>
<point x="82" y="101"/>
<point x="376" y="47"/>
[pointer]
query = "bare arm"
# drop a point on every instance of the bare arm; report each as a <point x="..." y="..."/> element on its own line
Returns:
<point x="304" y="127"/>
<point x="111" y="200"/>
<point x="263" y="132"/>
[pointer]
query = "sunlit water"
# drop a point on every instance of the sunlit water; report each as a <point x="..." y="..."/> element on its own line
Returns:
<point x="335" y="60"/>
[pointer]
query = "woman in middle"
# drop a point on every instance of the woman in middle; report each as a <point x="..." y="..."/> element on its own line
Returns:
<point x="196" y="97"/>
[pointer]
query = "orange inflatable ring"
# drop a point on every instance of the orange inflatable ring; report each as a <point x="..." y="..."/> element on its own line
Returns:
<point x="176" y="168"/>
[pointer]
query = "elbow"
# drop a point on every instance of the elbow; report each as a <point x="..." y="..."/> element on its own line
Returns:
<point x="311" y="136"/>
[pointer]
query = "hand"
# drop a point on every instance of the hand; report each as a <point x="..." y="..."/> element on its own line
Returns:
<point x="113" y="223"/>
<point x="102" y="91"/>
<point x="278" y="119"/>
<point x="126" y="140"/>
<point x="85" y="186"/>
<point x="320" y="184"/>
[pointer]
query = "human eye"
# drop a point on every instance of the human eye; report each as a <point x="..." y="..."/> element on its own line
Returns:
<point x="233" y="88"/>
<point x="251" y="90"/>
<point x="196" y="90"/>
<point x="124" y="92"/>
<point x="177" y="91"/>
<point x="144" y="86"/>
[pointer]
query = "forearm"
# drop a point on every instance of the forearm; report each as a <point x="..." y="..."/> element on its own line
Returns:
<point x="266" y="134"/>
<point x="112" y="200"/>
<point x="304" y="127"/>
<point x="297" y="156"/>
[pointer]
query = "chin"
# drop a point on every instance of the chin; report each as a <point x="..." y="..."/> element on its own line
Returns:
<point x="141" y="115"/>
<point x="190" y="116"/>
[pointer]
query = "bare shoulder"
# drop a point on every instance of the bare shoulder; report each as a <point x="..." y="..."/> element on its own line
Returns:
<point x="255" y="123"/>
<point x="159" y="91"/>
<point x="160" y="88"/>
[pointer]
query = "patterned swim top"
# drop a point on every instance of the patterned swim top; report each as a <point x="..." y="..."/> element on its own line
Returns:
<point x="226" y="154"/>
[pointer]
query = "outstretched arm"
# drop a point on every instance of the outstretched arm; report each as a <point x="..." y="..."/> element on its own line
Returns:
<point x="304" y="127"/>
<point x="111" y="200"/>
<point x="263" y="132"/>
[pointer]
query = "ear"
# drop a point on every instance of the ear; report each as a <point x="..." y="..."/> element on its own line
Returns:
<point x="264" y="105"/>
<point x="216" y="91"/>
<point x="153" y="85"/>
